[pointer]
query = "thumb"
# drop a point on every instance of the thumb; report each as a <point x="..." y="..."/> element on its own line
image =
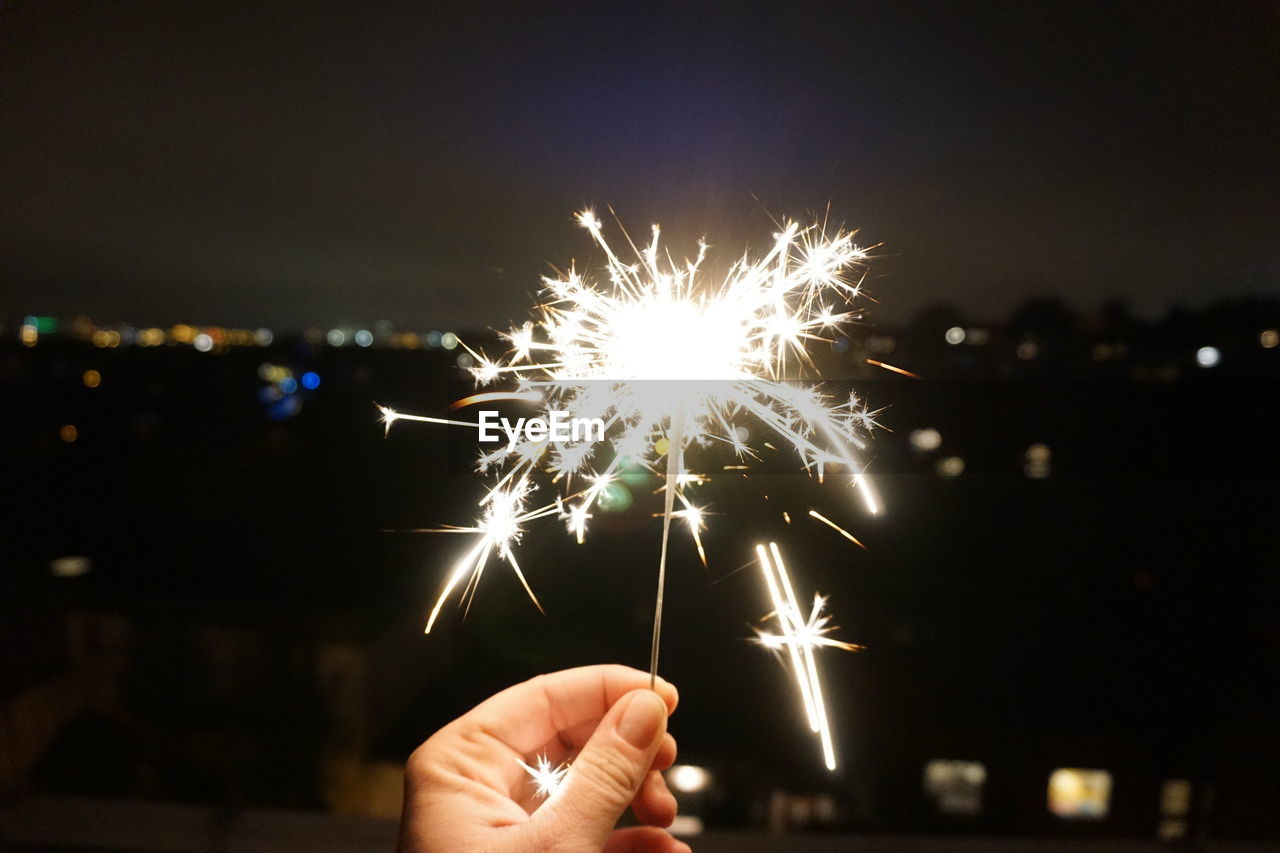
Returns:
<point x="607" y="773"/>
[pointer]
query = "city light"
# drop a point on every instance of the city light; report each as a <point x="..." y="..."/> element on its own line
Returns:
<point x="925" y="440"/>
<point x="91" y="379"/>
<point x="70" y="567"/>
<point x="1080" y="794"/>
<point x="150" y="337"/>
<point x="688" y="778"/>
<point x="955" y="335"/>
<point x="1208" y="356"/>
<point x="955" y="787"/>
<point x="1038" y="457"/>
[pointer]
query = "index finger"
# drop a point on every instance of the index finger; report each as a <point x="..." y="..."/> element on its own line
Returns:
<point x="528" y="715"/>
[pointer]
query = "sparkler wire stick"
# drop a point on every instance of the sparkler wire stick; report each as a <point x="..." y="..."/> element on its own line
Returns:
<point x="675" y="452"/>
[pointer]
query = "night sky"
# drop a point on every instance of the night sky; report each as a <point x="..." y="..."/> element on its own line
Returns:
<point x="256" y="163"/>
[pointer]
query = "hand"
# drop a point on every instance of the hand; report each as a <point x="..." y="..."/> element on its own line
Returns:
<point x="466" y="791"/>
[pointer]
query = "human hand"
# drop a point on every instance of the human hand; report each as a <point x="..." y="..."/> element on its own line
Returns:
<point x="466" y="791"/>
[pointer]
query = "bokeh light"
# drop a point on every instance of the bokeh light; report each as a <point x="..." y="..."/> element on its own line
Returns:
<point x="1208" y="356"/>
<point x="925" y="440"/>
<point x="688" y="778"/>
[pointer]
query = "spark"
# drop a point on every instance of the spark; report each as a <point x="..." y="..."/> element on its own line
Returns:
<point x="546" y="777"/>
<point x="499" y="528"/>
<point x="494" y="396"/>
<point x="390" y="416"/>
<point x="799" y="637"/>
<point x="890" y="367"/>
<point x="837" y="528"/>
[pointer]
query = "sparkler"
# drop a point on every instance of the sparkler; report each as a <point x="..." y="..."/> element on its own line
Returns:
<point x="624" y="353"/>
<point x="799" y="637"/>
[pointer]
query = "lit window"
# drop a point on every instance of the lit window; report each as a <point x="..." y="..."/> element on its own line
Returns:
<point x="1080" y="794"/>
<point x="70" y="567"/>
<point x="1039" y="457"/>
<point x="686" y="825"/>
<point x="1175" y="797"/>
<point x="955" y="787"/>
<point x="1175" y="804"/>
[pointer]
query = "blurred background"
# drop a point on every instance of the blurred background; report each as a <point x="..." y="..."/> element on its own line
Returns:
<point x="226" y="230"/>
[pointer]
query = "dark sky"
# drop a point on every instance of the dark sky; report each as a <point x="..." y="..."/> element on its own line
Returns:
<point x="259" y="163"/>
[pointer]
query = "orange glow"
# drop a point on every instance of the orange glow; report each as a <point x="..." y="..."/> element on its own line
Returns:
<point x="875" y="363"/>
<point x="92" y="378"/>
<point x="837" y="528"/>
<point x="151" y="337"/>
<point x="489" y="396"/>
<point x="69" y="433"/>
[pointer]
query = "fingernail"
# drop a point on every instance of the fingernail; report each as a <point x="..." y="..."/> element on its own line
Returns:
<point x="642" y="719"/>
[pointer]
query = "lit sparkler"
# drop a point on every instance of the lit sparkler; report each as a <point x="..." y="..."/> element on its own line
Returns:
<point x="799" y="636"/>
<point x="668" y="361"/>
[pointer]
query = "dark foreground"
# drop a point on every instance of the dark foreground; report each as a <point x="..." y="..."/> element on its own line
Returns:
<point x="67" y="824"/>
